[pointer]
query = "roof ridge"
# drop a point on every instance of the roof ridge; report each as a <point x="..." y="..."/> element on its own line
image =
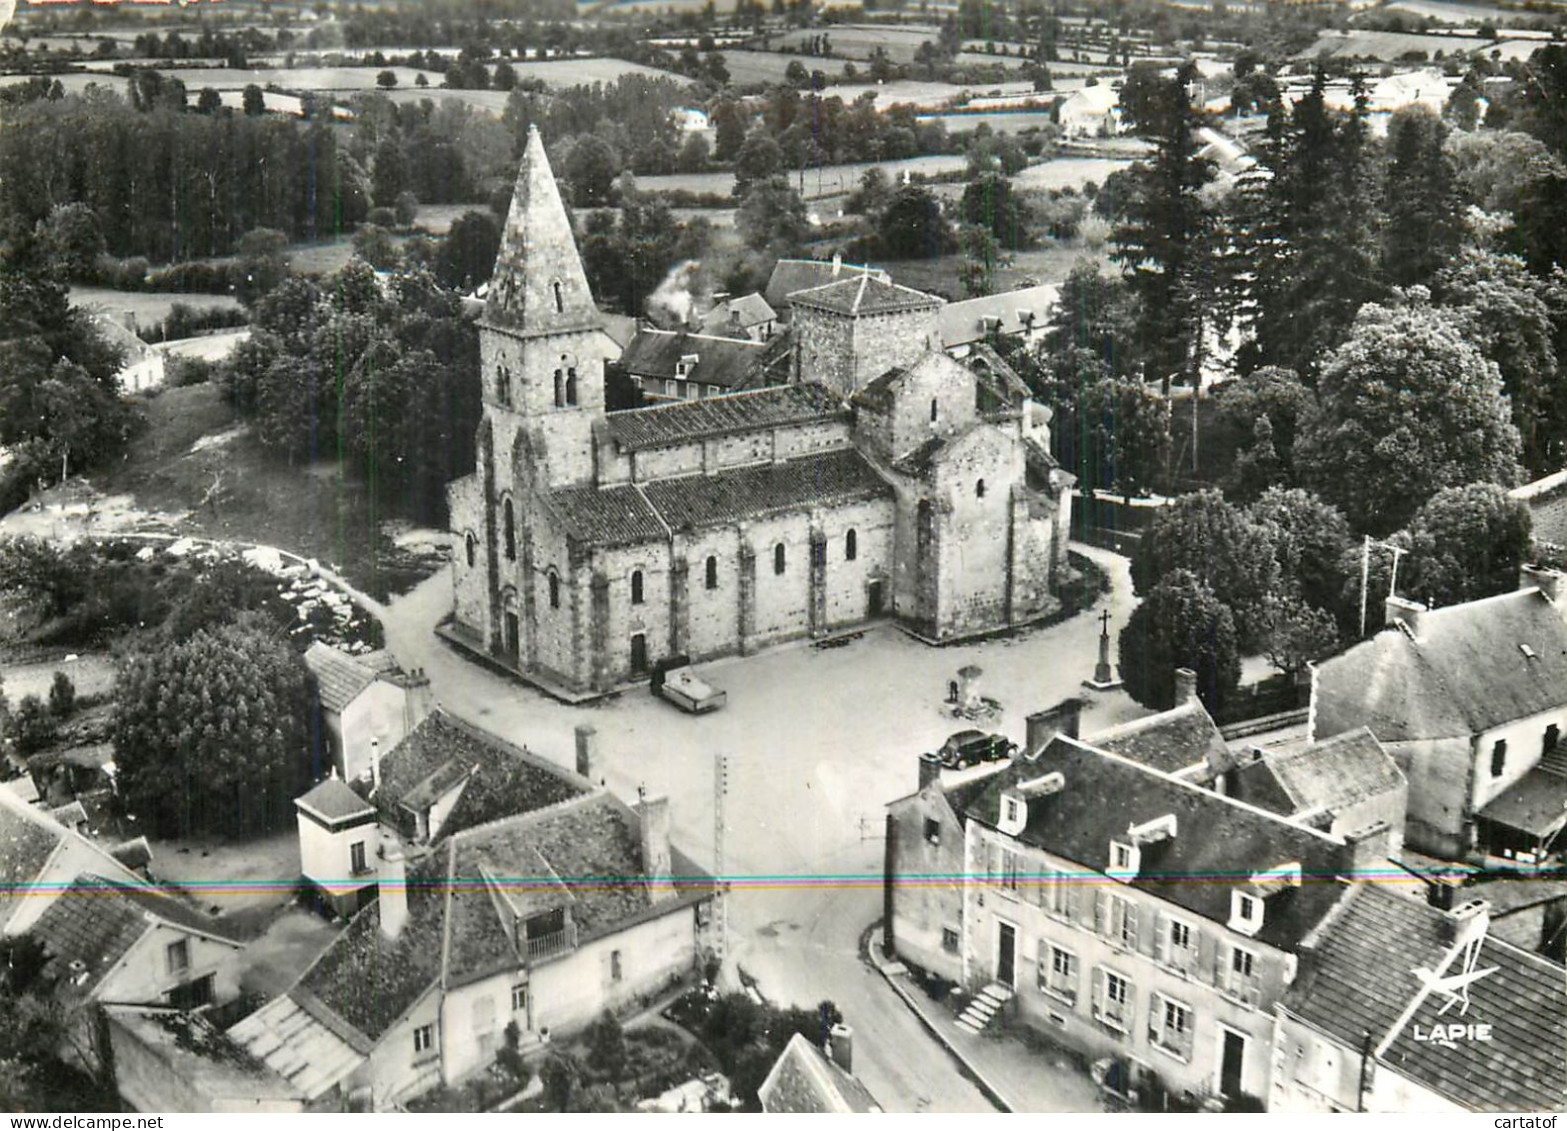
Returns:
<point x="532" y="815"/>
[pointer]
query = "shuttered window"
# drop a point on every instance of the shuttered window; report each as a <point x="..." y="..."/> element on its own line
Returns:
<point x="1112" y="999"/>
<point x="1171" y="1025"/>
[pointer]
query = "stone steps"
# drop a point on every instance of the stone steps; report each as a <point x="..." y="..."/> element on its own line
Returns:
<point x="983" y="1007"/>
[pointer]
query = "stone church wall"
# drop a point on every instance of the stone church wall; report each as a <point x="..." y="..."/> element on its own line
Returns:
<point x="470" y="585"/>
<point x="650" y="619"/>
<point x="713" y="626"/>
<point x="973" y="559"/>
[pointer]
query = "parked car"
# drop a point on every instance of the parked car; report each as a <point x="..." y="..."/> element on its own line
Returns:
<point x="675" y="680"/>
<point x="971" y="747"/>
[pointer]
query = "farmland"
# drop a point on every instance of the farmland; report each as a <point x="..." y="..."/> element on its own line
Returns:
<point x="1000" y="121"/>
<point x="748" y="68"/>
<point x="148" y="309"/>
<point x="1389" y="46"/>
<point x="823" y="181"/>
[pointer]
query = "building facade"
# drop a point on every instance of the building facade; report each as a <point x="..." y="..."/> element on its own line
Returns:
<point x="885" y="481"/>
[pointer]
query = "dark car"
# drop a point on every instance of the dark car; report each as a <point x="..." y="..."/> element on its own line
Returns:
<point x="971" y="747"/>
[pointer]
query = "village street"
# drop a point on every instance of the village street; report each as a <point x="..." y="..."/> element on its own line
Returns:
<point x="818" y="741"/>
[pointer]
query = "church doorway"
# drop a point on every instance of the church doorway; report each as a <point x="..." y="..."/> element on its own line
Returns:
<point x="513" y="637"/>
<point x="875" y="599"/>
<point x="639" y="654"/>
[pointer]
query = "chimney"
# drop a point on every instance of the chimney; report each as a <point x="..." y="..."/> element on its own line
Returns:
<point x="1551" y="582"/>
<point x="1369" y="849"/>
<point x="656" y="863"/>
<point x="1398" y="611"/>
<point x="840" y="1045"/>
<point x="1185" y="686"/>
<point x="417" y="699"/>
<point x="837" y="263"/>
<point x="588" y="764"/>
<point x="393" y="884"/>
<point x="1470" y="920"/>
<point x="930" y="768"/>
<point x="1065" y="718"/>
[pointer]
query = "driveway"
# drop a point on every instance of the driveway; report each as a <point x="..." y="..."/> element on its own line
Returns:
<point x="818" y="741"/>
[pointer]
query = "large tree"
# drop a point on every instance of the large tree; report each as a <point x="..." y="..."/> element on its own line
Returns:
<point x="912" y="226"/>
<point x="1180" y="624"/>
<point x="1425" y="218"/>
<point x="1407" y="406"/>
<point x="1309" y="538"/>
<point x="1465" y="543"/>
<point x="210" y="734"/>
<point x="990" y="202"/>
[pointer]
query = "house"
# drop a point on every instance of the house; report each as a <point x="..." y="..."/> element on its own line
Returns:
<point x="1023" y="314"/>
<point x="806" y="1080"/>
<point x="1402" y="1007"/>
<point x="882" y="480"/>
<point x="544" y="919"/>
<point x="1470" y="701"/>
<point x="1093" y="111"/>
<point x="39" y="858"/>
<point x="689" y="119"/>
<point x="1546" y="499"/>
<point x="1132" y="914"/>
<point x="791" y="275"/>
<point x="171" y="1060"/>
<point x="112" y="942"/>
<point x="367" y="702"/>
<point x="747" y="316"/>
<point x="675" y="365"/>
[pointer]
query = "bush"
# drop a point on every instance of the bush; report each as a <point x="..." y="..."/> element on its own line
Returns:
<point x="62" y="696"/>
<point x="182" y="372"/>
<point x="32" y="726"/>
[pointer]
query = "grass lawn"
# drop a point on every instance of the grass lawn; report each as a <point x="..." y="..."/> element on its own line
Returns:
<point x="316" y="511"/>
<point x="148" y="308"/>
<point x="1041" y="265"/>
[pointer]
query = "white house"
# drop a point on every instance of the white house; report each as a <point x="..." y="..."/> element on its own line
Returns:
<point x="1093" y="111"/>
<point x="368" y="704"/>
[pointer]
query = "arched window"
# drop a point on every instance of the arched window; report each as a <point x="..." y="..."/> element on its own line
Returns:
<point x="509" y="521"/>
<point x="502" y="385"/>
<point x="469" y="543"/>
<point x="636" y="587"/>
<point x="554" y="590"/>
<point x="560" y="299"/>
<point x="779" y="558"/>
<point x="712" y="573"/>
<point x="851" y="546"/>
<point x="560" y="389"/>
<point x="933" y="410"/>
<point x="979" y="489"/>
<point x="571" y="385"/>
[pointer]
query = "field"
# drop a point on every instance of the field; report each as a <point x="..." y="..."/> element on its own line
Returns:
<point x="1068" y="172"/>
<point x="1002" y="122"/>
<point x="1389" y="46"/>
<point x="1049" y="264"/>
<point x="828" y="180"/>
<point x="76" y="83"/>
<point x="148" y="309"/>
<point x="1460" y="14"/>
<point x="748" y="68"/>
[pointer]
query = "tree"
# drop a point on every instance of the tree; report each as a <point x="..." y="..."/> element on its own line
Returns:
<point x="912" y="226"/>
<point x="1092" y="333"/>
<point x="729" y="130"/>
<point x="208" y="101"/>
<point x="758" y="159"/>
<point x="467" y="254"/>
<point x="209" y="733"/>
<point x="591" y="166"/>
<point x="1407" y="406"/>
<point x="62" y="696"/>
<point x="386" y="80"/>
<point x="1180" y="624"/>
<point x="33" y="727"/>
<point x="772" y="216"/>
<point x="1270" y="401"/>
<point x="1309" y="539"/>
<point x="253" y="101"/>
<point x="1425" y="224"/>
<point x="1116" y="434"/>
<point x="1295" y="634"/>
<point x="74" y="239"/>
<point x="406" y="209"/>
<point x="982" y="259"/>
<point x="694" y="155"/>
<point x="1465" y="543"/>
<point x="376" y="247"/>
<point x="263" y="262"/>
<point x="991" y="203"/>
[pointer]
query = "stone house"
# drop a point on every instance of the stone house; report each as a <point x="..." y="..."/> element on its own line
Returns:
<point x="744" y="316"/>
<point x="367" y="703"/>
<point x="170" y="1060"/>
<point x="891" y="483"/>
<point x="1022" y="314"/>
<point x="791" y="275"/>
<point x="1471" y="702"/>
<point x="676" y="365"/>
<point x="1546" y="499"/>
<point x="1358" y="1031"/>
<point x="1129" y="913"/>
<point x="1094" y="111"/>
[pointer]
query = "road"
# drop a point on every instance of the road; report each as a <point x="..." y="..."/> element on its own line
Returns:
<point x="818" y="740"/>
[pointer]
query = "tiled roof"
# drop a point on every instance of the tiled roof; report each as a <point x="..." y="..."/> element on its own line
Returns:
<point x="201" y="1057"/>
<point x="791" y="275"/>
<point x="804" y="1080"/>
<point x="25" y="847"/>
<point x="298" y="1046"/>
<point x="1338" y="772"/>
<point x="605" y="516"/>
<point x="95" y="922"/>
<point x="333" y="800"/>
<point x="864" y="294"/>
<point x="1465" y="674"/>
<point x="703" y="500"/>
<point x="683" y="422"/>
<point x="505" y="780"/>
<point x="1360" y="977"/>
<point x="739" y="313"/>
<point x="342" y="677"/>
<point x="919" y="462"/>
<point x="877" y="392"/>
<point x="1011" y="312"/>
<point x="725" y="362"/>
<point x="1219" y="842"/>
<point x="1170" y="741"/>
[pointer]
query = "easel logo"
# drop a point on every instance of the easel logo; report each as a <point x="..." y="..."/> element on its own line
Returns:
<point x="1461" y="970"/>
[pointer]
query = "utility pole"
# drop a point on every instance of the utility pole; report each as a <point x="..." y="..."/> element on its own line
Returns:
<point x="721" y="900"/>
<point x="1365" y="580"/>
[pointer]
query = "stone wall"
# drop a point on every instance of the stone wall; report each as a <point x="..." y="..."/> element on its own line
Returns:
<point x="972" y="490"/>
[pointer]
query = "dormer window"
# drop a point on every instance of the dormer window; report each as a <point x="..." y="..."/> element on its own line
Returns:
<point x="686" y="364"/>
<point x="1245" y="913"/>
<point x="1010" y="810"/>
<point x="1125" y="860"/>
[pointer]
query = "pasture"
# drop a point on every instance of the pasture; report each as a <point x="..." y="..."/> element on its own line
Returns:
<point x="147" y="308"/>
<point x="1389" y="46"/>
<point x="819" y="182"/>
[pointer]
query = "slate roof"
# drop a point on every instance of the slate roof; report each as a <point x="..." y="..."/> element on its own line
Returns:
<point x="1012" y="312"/>
<point x="685" y="421"/>
<point x="725" y="362"/>
<point x="1169" y="741"/>
<point x="1536" y="803"/>
<point x="739" y="313"/>
<point x="505" y="780"/>
<point x="342" y="677"/>
<point x="865" y="294"/>
<point x="201" y="1056"/>
<point x="1219" y="843"/>
<point x="25" y="847"/>
<point x="1465" y="674"/>
<point x="605" y="516"/>
<point x="1359" y="977"/>
<point x="1338" y="772"/>
<point x="805" y="1080"/>
<point x="820" y="480"/>
<point x="334" y="801"/>
<point x="791" y="275"/>
<point x="96" y="922"/>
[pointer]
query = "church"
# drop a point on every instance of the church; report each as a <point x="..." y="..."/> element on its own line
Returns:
<point x="883" y="480"/>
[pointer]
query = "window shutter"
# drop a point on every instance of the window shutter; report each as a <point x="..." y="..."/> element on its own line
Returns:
<point x="994" y="865"/>
<point x="1131" y="924"/>
<point x="1101" y="911"/>
<point x="1099" y="991"/>
<point x="1161" y="940"/>
<point x="1155" y="1017"/>
<point x="1221" y="955"/>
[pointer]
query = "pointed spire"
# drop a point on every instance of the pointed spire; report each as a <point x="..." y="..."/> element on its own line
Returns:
<point x="539" y="286"/>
